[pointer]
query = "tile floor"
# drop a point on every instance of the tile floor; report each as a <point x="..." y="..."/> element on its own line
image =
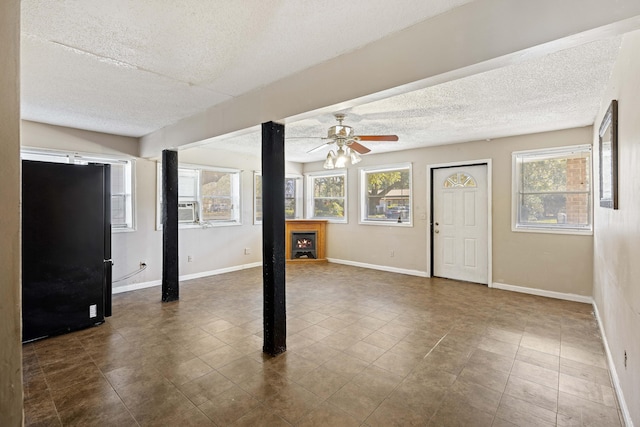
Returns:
<point x="365" y="348"/>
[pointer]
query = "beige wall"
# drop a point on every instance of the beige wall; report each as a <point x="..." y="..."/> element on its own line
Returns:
<point x="617" y="232"/>
<point x="550" y="262"/>
<point x="63" y="138"/>
<point x="10" y="321"/>
<point x="553" y="262"/>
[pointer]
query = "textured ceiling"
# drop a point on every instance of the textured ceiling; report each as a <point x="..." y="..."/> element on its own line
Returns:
<point x="558" y="91"/>
<point x="131" y="67"/>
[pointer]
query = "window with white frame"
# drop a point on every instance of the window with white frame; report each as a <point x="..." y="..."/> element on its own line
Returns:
<point x="292" y="197"/>
<point x="122" y="180"/>
<point x="552" y="190"/>
<point x="121" y="195"/>
<point x="385" y="195"/>
<point x="207" y="196"/>
<point x="327" y="196"/>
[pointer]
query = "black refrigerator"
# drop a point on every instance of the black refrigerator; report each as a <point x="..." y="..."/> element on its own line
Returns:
<point x="66" y="247"/>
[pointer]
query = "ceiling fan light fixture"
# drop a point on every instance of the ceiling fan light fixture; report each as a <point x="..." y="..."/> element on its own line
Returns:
<point x="355" y="157"/>
<point x="341" y="158"/>
<point x="330" y="162"/>
<point x="347" y="144"/>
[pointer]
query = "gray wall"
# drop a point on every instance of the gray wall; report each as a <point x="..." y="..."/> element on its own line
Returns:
<point x="10" y="322"/>
<point x="617" y="232"/>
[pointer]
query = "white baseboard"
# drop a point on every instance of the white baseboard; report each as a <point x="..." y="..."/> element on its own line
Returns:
<point x="588" y="300"/>
<point x="614" y="374"/>
<point x="144" y="285"/>
<point x="135" y="286"/>
<point x="543" y="293"/>
<point x="220" y="271"/>
<point x="379" y="267"/>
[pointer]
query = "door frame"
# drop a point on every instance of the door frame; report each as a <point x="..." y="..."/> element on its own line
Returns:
<point x="429" y="210"/>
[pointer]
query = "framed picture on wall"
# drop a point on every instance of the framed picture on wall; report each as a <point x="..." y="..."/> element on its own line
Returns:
<point x="608" y="146"/>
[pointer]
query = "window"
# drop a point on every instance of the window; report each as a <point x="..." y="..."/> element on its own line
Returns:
<point x="460" y="180"/>
<point x="292" y="197"/>
<point x="385" y="195"/>
<point x="552" y="190"/>
<point x="327" y="197"/>
<point x="207" y="196"/>
<point x="122" y="181"/>
<point x="218" y="196"/>
<point x="121" y="195"/>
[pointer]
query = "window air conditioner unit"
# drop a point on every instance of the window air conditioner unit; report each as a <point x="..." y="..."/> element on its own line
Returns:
<point x="188" y="212"/>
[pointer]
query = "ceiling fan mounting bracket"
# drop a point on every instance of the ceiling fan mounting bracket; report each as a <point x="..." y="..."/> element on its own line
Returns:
<point x="340" y="133"/>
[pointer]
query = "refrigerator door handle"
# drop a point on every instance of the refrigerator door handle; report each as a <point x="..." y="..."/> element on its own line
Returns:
<point x="108" y="286"/>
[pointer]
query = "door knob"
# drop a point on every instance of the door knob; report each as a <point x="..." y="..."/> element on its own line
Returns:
<point x="436" y="231"/>
<point x="437" y="223"/>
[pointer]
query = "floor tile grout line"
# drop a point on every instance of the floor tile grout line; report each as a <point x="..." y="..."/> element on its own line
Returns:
<point x="116" y="391"/>
<point x="439" y="343"/>
<point x="409" y="373"/>
<point x="44" y="374"/>
<point x="35" y="350"/>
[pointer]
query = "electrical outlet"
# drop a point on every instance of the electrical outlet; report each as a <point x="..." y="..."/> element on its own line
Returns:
<point x="189" y="258"/>
<point x="247" y="251"/>
<point x="625" y="359"/>
<point x="392" y="253"/>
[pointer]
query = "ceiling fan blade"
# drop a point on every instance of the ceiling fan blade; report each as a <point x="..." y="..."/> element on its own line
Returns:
<point x="313" y="150"/>
<point x="378" y="137"/>
<point x="355" y="146"/>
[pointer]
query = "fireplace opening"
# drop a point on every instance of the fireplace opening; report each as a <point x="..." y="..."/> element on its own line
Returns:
<point x="303" y="245"/>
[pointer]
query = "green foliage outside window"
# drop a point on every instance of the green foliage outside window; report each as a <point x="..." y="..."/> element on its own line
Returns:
<point x="554" y="189"/>
<point x="329" y="196"/>
<point x="388" y="195"/>
<point x="543" y="178"/>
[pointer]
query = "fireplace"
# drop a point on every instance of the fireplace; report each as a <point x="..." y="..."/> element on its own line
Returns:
<point x="305" y="240"/>
<point x="303" y="244"/>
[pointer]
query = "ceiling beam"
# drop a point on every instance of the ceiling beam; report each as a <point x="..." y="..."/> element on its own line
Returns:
<point x="477" y="37"/>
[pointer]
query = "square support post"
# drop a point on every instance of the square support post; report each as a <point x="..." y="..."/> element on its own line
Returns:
<point x="169" y="225"/>
<point x="273" y="235"/>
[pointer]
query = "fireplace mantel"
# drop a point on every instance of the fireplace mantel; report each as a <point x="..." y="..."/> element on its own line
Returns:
<point x="306" y="225"/>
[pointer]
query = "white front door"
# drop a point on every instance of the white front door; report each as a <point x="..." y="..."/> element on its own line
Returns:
<point x="460" y="224"/>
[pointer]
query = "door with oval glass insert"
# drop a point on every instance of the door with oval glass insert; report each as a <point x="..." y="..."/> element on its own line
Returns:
<point x="460" y="224"/>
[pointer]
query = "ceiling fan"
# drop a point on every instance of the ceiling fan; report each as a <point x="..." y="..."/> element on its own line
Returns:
<point x="347" y="143"/>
